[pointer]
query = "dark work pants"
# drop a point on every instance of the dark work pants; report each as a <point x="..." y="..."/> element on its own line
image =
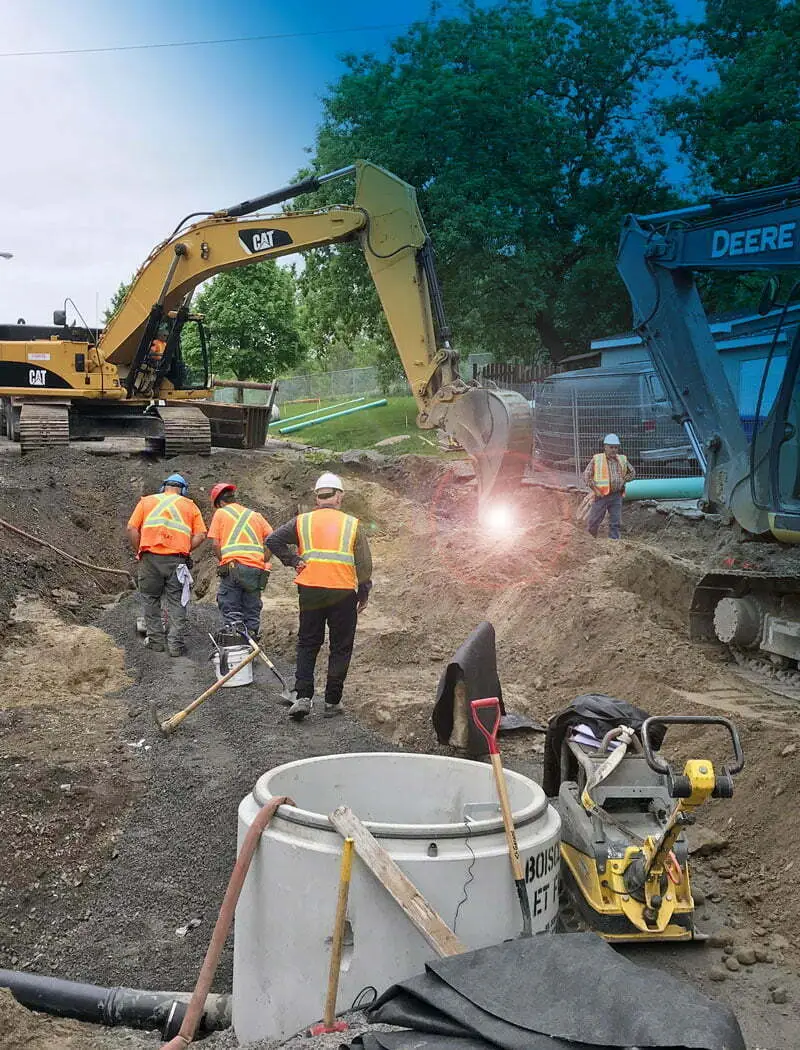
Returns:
<point x="235" y="603"/>
<point x="318" y="608"/>
<point x="611" y="505"/>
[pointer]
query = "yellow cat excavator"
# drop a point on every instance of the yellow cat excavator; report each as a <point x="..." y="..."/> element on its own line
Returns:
<point x="62" y="381"/>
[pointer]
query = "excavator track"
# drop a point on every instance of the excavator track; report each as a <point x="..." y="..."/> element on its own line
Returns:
<point x="43" y="427"/>
<point x="185" y="430"/>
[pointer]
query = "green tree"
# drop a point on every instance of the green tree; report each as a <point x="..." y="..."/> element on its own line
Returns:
<point x="526" y="133"/>
<point x="743" y="130"/>
<point x="251" y="315"/>
<point x="116" y="301"/>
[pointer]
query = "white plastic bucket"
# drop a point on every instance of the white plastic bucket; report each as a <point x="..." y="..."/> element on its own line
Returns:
<point x="235" y="655"/>
<point x="438" y="818"/>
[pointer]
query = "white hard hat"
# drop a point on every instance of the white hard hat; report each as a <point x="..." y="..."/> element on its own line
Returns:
<point x="611" y="439"/>
<point x="329" y="481"/>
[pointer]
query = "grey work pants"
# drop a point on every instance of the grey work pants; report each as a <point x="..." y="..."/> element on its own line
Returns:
<point x="157" y="581"/>
<point x="611" y="505"/>
<point x="237" y="604"/>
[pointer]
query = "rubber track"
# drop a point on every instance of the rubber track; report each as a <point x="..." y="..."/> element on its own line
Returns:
<point x="43" y="427"/>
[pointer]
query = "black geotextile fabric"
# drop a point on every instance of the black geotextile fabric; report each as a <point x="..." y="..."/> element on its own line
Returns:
<point x="599" y="711"/>
<point x="474" y="663"/>
<point x="416" y="1041"/>
<point x="554" y="992"/>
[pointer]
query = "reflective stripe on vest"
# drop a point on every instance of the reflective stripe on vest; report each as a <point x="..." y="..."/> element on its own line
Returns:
<point x="159" y="518"/>
<point x="602" y="478"/>
<point x="242" y="538"/>
<point x="327" y="540"/>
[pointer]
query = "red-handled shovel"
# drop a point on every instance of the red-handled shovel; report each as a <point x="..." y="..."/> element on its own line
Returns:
<point x="491" y="707"/>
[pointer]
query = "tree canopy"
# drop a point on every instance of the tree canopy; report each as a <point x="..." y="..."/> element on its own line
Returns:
<point x="251" y="315"/>
<point x="527" y="136"/>
<point x="743" y="130"/>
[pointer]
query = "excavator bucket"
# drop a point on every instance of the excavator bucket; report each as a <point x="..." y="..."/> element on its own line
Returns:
<point x="496" y="428"/>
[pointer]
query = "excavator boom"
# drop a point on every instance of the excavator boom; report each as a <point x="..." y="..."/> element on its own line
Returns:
<point x="495" y="427"/>
<point x="755" y="480"/>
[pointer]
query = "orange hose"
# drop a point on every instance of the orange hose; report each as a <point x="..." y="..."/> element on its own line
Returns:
<point x="223" y="925"/>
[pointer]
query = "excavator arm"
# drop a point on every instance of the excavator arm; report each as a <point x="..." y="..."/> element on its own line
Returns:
<point x="494" y="426"/>
<point x="757" y="481"/>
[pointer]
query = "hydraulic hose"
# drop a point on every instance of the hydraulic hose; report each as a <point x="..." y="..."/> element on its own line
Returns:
<point x="193" y="1015"/>
<point x="110" y="1006"/>
<point x="64" y="554"/>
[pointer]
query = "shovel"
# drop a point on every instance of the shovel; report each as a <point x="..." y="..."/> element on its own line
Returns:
<point x="489" y="728"/>
<point x="286" y="695"/>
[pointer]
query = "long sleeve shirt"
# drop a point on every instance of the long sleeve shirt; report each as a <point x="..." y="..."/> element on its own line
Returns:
<point x="617" y="477"/>
<point x="285" y="536"/>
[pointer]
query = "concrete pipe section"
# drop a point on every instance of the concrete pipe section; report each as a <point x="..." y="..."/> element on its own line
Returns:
<point x="438" y="818"/>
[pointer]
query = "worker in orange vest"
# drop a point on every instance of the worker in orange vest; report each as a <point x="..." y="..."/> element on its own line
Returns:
<point x="606" y="474"/>
<point x="158" y="347"/>
<point x="163" y="530"/>
<point x="238" y="536"/>
<point x="334" y="577"/>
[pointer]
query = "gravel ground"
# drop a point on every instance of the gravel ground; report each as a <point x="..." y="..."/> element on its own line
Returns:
<point x="172" y="861"/>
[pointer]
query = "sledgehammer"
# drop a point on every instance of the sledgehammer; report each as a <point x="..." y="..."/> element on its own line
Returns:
<point x="175" y="720"/>
<point x="492" y="704"/>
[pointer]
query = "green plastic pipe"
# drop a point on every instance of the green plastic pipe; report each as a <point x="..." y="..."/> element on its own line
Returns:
<point x="313" y="412"/>
<point x="333" y="415"/>
<point x="665" y="488"/>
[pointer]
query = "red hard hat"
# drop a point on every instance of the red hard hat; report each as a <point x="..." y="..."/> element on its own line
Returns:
<point x="219" y="488"/>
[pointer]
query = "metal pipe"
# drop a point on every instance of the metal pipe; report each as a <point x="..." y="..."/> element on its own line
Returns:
<point x="94" y="1004"/>
<point x="665" y="488"/>
<point x="334" y="415"/>
<point x="330" y="408"/>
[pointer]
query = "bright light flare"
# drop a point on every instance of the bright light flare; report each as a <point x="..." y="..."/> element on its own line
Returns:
<point x="499" y="517"/>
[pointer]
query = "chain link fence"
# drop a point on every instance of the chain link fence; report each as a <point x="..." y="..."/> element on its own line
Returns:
<point x="570" y="426"/>
<point x="340" y="384"/>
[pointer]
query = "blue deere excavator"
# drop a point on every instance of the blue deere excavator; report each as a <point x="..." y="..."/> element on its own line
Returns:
<point x="754" y="481"/>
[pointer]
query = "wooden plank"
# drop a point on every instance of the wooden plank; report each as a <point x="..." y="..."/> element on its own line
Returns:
<point x="432" y="927"/>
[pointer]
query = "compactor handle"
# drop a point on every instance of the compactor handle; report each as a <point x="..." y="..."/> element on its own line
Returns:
<point x="678" y="789"/>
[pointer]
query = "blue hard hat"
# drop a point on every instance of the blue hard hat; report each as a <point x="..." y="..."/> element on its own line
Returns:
<point x="176" y="479"/>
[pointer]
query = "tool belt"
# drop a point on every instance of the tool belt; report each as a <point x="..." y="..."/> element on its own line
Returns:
<point x="248" y="577"/>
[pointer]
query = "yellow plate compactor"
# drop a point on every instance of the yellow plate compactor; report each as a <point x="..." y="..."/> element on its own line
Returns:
<point x="624" y="869"/>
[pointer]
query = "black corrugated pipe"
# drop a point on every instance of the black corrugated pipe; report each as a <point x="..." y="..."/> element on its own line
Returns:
<point x="131" y="1007"/>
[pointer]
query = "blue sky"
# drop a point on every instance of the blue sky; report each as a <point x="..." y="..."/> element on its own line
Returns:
<point x="104" y="153"/>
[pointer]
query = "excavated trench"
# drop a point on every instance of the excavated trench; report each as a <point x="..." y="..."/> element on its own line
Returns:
<point x="107" y="823"/>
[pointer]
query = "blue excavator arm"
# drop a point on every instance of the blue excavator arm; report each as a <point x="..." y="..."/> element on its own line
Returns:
<point x="757" y="481"/>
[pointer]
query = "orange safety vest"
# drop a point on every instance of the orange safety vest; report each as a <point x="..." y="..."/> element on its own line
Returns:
<point x="241" y="536"/>
<point x="167" y="527"/>
<point x="157" y="350"/>
<point x="327" y="540"/>
<point x="601" y="472"/>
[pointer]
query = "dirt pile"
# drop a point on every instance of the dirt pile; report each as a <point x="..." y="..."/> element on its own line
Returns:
<point x="22" y="1029"/>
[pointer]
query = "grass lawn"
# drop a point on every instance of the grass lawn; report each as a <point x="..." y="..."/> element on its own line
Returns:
<point x="364" y="429"/>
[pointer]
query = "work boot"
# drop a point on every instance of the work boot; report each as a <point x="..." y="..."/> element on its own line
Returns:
<point x="300" y="708"/>
<point x="156" y="644"/>
<point x="332" y="710"/>
<point x="176" y="650"/>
